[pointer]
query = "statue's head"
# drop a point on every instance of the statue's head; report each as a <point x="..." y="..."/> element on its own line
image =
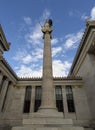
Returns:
<point x="49" y="22"/>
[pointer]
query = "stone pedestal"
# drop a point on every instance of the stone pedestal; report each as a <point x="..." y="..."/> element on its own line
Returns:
<point x="39" y="121"/>
<point x="47" y="123"/>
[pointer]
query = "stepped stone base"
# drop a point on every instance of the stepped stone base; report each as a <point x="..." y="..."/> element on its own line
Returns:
<point x="46" y="119"/>
<point x="48" y="128"/>
<point x="41" y="121"/>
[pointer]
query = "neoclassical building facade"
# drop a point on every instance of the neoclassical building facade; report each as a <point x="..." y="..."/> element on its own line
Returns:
<point x="49" y="103"/>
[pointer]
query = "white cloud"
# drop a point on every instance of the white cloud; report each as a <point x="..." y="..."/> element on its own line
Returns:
<point x="54" y="41"/>
<point x="28" y="20"/>
<point x="56" y="50"/>
<point x="35" y="36"/>
<point x="46" y="15"/>
<point x="84" y="17"/>
<point x="72" y="40"/>
<point x="93" y="13"/>
<point x="24" y="57"/>
<point x="27" y="59"/>
<point x="37" y="54"/>
<point x="19" y="55"/>
<point x="91" y="17"/>
<point x="25" y="71"/>
<point x="61" y="68"/>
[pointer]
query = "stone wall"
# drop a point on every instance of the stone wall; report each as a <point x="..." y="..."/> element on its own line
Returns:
<point x="87" y="71"/>
<point x="13" y="113"/>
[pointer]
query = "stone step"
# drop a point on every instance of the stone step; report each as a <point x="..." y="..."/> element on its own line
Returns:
<point x="48" y="128"/>
<point x="88" y="129"/>
<point x="46" y="121"/>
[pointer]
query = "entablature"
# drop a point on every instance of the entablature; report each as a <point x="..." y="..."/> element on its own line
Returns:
<point x="57" y="81"/>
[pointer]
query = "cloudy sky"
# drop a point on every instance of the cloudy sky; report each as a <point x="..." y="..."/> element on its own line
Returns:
<point x="22" y="20"/>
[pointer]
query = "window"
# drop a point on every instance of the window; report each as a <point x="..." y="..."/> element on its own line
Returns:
<point x="27" y="99"/>
<point x="70" y="101"/>
<point x="38" y="94"/>
<point x="59" y="98"/>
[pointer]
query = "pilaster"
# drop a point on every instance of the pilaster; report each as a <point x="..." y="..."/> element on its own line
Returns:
<point x="3" y="92"/>
<point x="1" y="77"/>
<point x="32" y="99"/>
<point x="64" y="102"/>
<point x="9" y="99"/>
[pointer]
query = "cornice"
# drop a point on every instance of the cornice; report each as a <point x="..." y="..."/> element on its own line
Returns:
<point x="89" y="26"/>
<point x="3" y="40"/>
<point x="6" y="64"/>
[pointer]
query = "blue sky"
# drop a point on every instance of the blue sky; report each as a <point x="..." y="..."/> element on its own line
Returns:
<point x="20" y="21"/>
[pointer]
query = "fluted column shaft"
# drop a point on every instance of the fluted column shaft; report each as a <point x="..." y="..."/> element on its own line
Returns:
<point x="3" y="92"/>
<point x="48" y="98"/>
<point x="1" y="77"/>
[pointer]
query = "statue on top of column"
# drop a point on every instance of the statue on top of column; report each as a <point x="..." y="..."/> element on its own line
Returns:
<point x="48" y="23"/>
<point x="47" y="28"/>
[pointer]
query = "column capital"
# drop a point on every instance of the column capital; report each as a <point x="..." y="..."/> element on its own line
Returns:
<point x="1" y="57"/>
<point x="7" y="79"/>
<point x="1" y="73"/>
<point x="47" y="28"/>
<point x="11" y="83"/>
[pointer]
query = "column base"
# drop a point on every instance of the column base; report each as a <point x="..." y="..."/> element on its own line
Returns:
<point x="38" y="121"/>
<point x="48" y="110"/>
<point x="44" y="119"/>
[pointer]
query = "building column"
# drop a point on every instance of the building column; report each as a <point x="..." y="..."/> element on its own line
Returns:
<point x="3" y="92"/>
<point x="32" y="99"/>
<point x="9" y="98"/>
<point x="64" y="102"/>
<point x="8" y="102"/>
<point x="1" y="77"/>
<point x="48" y="104"/>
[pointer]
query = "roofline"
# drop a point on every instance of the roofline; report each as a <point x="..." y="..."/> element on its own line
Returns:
<point x="9" y="68"/>
<point x="6" y="47"/>
<point x="36" y="78"/>
<point x="54" y="78"/>
<point x="89" y="25"/>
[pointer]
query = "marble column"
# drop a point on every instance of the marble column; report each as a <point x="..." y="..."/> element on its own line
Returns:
<point x="32" y="99"/>
<point x="8" y="102"/>
<point x="3" y="92"/>
<point x="1" y="77"/>
<point x="64" y="101"/>
<point x="48" y="98"/>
